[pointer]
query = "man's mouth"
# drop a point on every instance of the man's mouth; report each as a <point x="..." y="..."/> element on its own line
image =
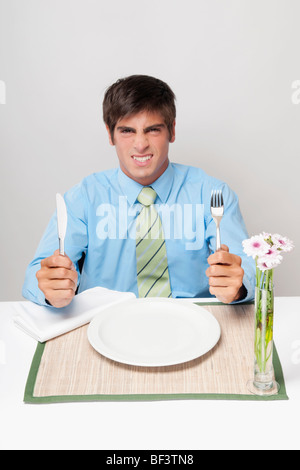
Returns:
<point x="142" y="159"/>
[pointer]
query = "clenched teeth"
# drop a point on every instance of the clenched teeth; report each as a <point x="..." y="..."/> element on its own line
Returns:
<point x="142" y="159"/>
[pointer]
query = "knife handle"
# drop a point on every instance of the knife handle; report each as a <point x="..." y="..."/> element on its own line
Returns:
<point x="61" y="247"/>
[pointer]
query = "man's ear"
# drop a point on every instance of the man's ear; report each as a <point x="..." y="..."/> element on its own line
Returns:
<point x="173" y="134"/>
<point x="110" y="137"/>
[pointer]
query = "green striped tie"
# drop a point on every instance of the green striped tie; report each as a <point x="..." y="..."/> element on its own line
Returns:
<point x="151" y="254"/>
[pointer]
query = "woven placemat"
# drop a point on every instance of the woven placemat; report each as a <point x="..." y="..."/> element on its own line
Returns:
<point x="68" y="369"/>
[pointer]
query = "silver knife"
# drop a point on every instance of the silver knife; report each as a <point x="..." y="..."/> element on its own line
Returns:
<point x="62" y="220"/>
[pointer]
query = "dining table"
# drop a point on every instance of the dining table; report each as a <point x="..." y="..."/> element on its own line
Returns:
<point x="166" y="426"/>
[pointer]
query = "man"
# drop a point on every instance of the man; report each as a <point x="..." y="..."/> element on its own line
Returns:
<point x="145" y="227"/>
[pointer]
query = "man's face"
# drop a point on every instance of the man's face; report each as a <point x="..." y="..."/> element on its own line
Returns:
<point x="142" y="145"/>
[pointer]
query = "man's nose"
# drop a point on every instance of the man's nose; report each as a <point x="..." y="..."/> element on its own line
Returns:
<point x="141" y="142"/>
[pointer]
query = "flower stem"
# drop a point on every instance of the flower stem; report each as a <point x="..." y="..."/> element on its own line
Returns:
<point x="264" y="307"/>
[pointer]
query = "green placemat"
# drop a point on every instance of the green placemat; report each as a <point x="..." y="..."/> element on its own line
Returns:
<point x="240" y="316"/>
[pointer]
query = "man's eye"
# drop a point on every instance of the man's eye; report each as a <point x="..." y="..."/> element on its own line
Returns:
<point x="155" y="129"/>
<point x="126" y="131"/>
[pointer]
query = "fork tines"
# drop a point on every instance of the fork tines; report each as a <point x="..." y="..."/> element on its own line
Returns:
<point x="216" y="198"/>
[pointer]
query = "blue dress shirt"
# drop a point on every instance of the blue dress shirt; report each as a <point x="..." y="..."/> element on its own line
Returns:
<point x="102" y="212"/>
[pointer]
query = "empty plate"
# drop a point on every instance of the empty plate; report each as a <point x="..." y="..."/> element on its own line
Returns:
<point x="154" y="332"/>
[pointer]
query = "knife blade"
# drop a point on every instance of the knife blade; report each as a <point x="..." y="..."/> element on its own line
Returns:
<point x="62" y="220"/>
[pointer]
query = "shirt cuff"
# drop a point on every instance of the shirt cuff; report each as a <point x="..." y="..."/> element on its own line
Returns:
<point x="250" y="292"/>
<point x="37" y="298"/>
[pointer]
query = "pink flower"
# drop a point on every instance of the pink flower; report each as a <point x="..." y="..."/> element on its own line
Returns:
<point x="266" y="249"/>
<point x="256" y="246"/>
<point x="272" y="252"/>
<point x="266" y="235"/>
<point x="282" y="243"/>
<point x="268" y="262"/>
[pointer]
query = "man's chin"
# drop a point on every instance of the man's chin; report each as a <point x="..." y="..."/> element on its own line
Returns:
<point x="145" y="175"/>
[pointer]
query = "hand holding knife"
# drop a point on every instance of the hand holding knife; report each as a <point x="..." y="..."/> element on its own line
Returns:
<point x="58" y="285"/>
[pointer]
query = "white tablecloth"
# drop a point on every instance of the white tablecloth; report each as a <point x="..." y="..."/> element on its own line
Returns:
<point x="169" y="425"/>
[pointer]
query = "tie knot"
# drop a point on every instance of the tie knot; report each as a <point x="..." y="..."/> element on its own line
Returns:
<point x="147" y="196"/>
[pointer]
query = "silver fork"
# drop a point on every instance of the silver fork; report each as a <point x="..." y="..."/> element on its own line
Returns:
<point x="217" y="211"/>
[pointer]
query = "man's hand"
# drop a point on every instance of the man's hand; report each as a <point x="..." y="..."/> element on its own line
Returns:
<point x="57" y="279"/>
<point x="225" y="276"/>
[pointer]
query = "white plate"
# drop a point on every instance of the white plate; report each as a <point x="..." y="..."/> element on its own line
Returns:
<point x="153" y="332"/>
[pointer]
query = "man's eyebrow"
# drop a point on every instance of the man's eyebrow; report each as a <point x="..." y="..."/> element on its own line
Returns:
<point x="161" y="125"/>
<point x="127" y="128"/>
<point x="123" y="128"/>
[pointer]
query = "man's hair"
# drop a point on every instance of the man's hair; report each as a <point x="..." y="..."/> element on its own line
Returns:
<point x="137" y="93"/>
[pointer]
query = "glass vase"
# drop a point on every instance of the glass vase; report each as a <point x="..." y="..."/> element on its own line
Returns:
<point x="264" y="381"/>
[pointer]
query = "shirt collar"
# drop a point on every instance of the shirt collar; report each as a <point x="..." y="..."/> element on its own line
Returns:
<point x="162" y="186"/>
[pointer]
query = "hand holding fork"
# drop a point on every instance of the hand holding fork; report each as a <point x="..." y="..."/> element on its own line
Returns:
<point x="225" y="272"/>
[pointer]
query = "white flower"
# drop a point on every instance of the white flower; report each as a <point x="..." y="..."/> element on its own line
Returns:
<point x="266" y="235"/>
<point x="267" y="249"/>
<point x="270" y="262"/>
<point x="273" y="252"/>
<point x="256" y="246"/>
<point x="282" y="243"/>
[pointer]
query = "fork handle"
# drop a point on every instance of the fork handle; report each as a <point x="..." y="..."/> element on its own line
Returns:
<point x="218" y="240"/>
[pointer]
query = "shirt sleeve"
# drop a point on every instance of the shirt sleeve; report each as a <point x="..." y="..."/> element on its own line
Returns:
<point x="76" y="242"/>
<point x="233" y="232"/>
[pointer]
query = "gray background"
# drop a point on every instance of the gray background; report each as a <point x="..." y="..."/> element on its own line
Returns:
<point x="231" y="63"/>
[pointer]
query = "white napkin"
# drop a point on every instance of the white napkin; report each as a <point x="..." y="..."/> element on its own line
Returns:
<point x="44" y="323"/>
